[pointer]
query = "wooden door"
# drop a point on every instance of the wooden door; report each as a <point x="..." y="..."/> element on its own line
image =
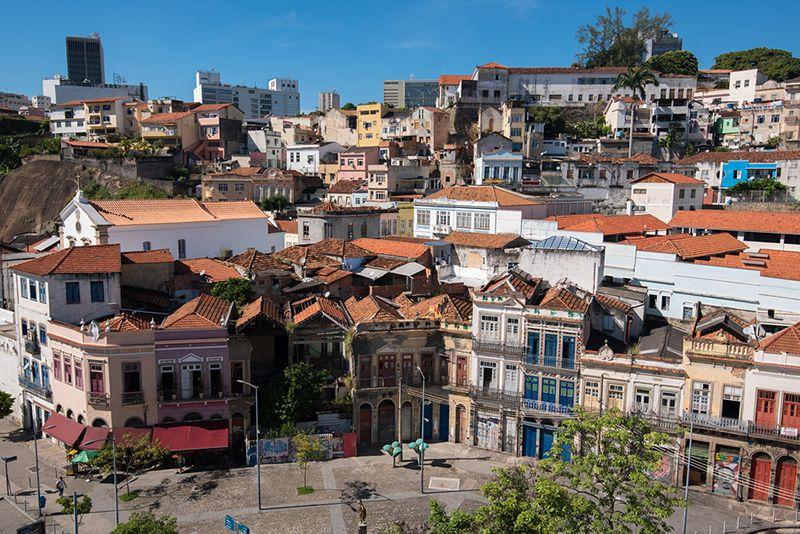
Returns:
<point x="790" y="415"/>
<point x="365" y="424"/>
<point x="765" y="408"/>
<point x="785" y="482"/>
<point x="759" y="478"/>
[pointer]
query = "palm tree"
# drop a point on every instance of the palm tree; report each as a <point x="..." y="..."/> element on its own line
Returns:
<point x="636" y="79"/>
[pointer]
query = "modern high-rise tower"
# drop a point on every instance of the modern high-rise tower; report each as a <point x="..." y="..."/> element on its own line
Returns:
<point x="85" y="59"/>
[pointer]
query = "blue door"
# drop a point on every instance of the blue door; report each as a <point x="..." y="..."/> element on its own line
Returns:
<point x="531" y="387"/>
<point x="428" y="430"/>
<point x="549" y="390"/>
<point x="532" y="355"/>
<point x="566" y="393"/>
<point x="568" y="352"/>
<point x="546" y="442"/>
<point x="529" y="439"/>
<point x="444" y="422"/>
<point x="550" y="349"/>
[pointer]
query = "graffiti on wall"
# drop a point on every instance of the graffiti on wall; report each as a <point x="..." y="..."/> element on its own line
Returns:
<point x="726" y="474"/>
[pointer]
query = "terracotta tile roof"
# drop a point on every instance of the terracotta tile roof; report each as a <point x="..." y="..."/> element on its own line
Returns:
<point x="329" y="275"/>
<point x="170" y="211"/>
<point x="453" y="79"/>
<point x="441" y="307"/>
<point x="491" y="65"/>
<point x="87" y="144"/>
<point x="786" y="341"/>
<point x="515" y="281"/>
<point x="309" y="307"/>
<point x="338" y="248"/>
<point x="211" y="107"/>
<point x="770" y="263"/>
<point x="255" y="261"/>
<point x="641" y="158"/>
<point x="261" y="307"/>
<point x="388" y="246"/>
<point x="489" y="241"/>
<point x="95" y="259"/>
<point x="141" y="295"/>
<point x="386" y="264"/>
<point x="330" y="207"/>
<point x="290" y="227"/>
<point x="689" y="247"/>
<point x="673" y="178"/>
<point x="346" y="187"/>
<point x="203" y="312"/>
<point x="162" y="255"/>
<point x="613" y="302"/>
<point x="166" y="118"/>
<point x="126" y="322"/>
<point x="610" y="225"/>
<point x="372" y="309"/>
<point x="753" y="156"/>
<point x="483" y="193"/>
<point x="302" y="256"/>
<point x="213" y="270"/>
<point x="561" y="298"/>
<point x="241" y="209"/>
<point x="776" y="222"/>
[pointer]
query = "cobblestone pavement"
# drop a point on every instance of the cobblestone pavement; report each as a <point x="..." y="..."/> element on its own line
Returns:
<point x="201" y="499"/>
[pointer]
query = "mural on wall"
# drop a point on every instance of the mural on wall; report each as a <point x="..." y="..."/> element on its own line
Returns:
<point x="665" y="470"/>
<point x="726" y="477"/>
<point x="281" y="450"/>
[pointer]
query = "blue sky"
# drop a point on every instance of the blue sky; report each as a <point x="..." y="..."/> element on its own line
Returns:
<point x="350" y="46"/>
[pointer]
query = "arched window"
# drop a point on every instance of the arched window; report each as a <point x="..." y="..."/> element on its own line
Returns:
<point x="134" y="422"/>
<point x="69" y="414"/>
<point x="168" y="420"/>
<point x="99" y="423"/>
<point x="192" y="416"/>
<point x="81" y="420"/>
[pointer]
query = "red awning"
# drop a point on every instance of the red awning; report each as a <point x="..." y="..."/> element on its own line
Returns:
<point x="199" y="436"/>
<point x="127" y="435"/>
<point x="64" y="430"/>
<point x="94" y="438"/>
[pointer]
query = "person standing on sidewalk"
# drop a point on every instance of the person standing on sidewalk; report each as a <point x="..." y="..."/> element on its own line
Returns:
<point x="61" y="486"/>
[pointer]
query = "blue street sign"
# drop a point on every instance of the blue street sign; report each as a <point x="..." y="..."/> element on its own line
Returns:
<point x="244" y="529"/>
<point x="230" y="523"/>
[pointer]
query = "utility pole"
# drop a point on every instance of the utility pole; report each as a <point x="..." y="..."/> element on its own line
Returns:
<point x="75" y="510"/>
<point x="258" y="443"/>
<point x="688" y="464"/>
<point x="422" y="435"/>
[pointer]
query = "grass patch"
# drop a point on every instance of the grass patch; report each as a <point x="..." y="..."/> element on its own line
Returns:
<point x="125" y="497"/>
<point x="305" y="490"/>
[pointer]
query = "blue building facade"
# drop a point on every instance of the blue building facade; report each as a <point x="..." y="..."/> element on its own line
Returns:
<point x="738" y="171"/>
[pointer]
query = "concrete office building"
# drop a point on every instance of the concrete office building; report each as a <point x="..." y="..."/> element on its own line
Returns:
<point x="85" y="59"/>
<point x="280" y="99"/>
<point x="14" y="101"/>
<point x="410" y="94"/>
<point x="60" y="90"/>
<point x="327" y="101"/>
<point x="665" y="41"/>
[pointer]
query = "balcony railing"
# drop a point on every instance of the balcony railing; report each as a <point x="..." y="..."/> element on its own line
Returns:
<point x="98" y="399"/>
<point x="546" y="407"/>
<point x="172" y="395"/>
<point x="686" y="420"/>
<point x="31" y="347"/>
<point x="496" y="346"/>
<point x="133" y="397"/>
<point x="377" y="382"/>
<point x="37" y="389"/>
<point x="553" y="362"/>
<point x="494" y="394"/>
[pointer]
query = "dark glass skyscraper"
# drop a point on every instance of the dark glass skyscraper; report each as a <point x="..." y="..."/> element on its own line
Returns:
<point x="85" y="59"/>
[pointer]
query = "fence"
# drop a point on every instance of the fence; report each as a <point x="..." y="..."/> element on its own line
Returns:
<point x="762" y="196"/>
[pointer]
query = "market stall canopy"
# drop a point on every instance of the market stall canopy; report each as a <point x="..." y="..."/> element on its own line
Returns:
<point x="94" y="438"/>
<point x="84" y="457"/>
<point x="64" y="430"/>
<point x="187" y="437"/>
<point x="126" y="435"/>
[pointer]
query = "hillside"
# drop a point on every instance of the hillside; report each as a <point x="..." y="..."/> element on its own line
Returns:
<point x="32" y="195"/>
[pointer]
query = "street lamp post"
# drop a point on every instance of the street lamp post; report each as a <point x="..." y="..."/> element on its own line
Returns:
<point x="422" y="435"/>
<point x="258" y="443"/>
<point x="35" y="421"/>
<point x="688" y="463"/>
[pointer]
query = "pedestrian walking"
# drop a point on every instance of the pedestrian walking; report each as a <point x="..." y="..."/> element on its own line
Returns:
<point x="61" y="486"/>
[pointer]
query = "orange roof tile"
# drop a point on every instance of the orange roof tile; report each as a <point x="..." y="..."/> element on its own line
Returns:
<point x="93" y="259"/>
<point x="173" y="210"/>
<point x="561" y="298"/>
<point x="261" y="307"/>
<point x="203" y="312"/>
<point x="241" y="209"/>
<point x="290" y="227"/>
<point x="453" y="79"/>
<point x="515" y="281"/>
<point x="338" y="248"/>
<point x="489" y="241"/>
<point x="166" y="118"/>
<point x="670" y="177"/>
<point x="390" y="247"/>
<point x="372" y="309"/>
<point x="346" y="187"/>
<point x="87" y="144"/>
<point x="483" y="193"/>
<point x="441" y="307"/>
<point x="609" y="225"/>
<point x="255" y="261"/>
<point x="309" y="307"/>
<point x="770" y="263"/>
<point x="776" y="222"/>
<point x="786" y="341"/>
<point x="213" y="270"/>
<point x="491" y="65"/>
<point x="127" y="322"/>
<point x="211" y="107"/>
<point x="689" y="247"/>
<point x="147" y="256"/>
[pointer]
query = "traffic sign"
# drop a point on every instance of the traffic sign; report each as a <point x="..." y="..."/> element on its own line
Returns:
<point x="244" y="529"/>
<point x="230" y="523"/>
<point x="8" y="458"/>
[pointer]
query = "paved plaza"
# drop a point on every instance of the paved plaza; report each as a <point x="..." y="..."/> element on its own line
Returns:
<point x="202" y="498"/>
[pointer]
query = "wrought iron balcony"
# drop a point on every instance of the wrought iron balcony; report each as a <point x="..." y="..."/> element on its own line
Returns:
<point x="553" y="362"/>
<point x="495" y="346"/>
<point x="545" y="407"/>
<point x="37" y="389"/>
<point x="98" y="399"/>
<point x="133" y="397"/>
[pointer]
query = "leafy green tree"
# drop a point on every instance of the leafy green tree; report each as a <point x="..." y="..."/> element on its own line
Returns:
<point x="133" y="456"/>
<point x="349" y="106"/>
<point x="610" y="42"/>
<point x="552" y="117"/>
<point x="307" y="448"/>
<point x="6" y="404"/>
<point x="674" y="139"/>
<point x="674" y="62"/>
<point x="276" y="203"/>
<point x="636" y="79"/>
<point x="774" y="142"/>
<point x="236" y="290"/>
<point x="147" y="523"/>
<point x="606" y="488"/>
<point x="303" y="392"/>
<point x="769" y="185"/>
<point x="95" y="191"/>
<point x="67" y="506"/>
<point x="778" y="65"/>
<point x="589" y="129"/>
